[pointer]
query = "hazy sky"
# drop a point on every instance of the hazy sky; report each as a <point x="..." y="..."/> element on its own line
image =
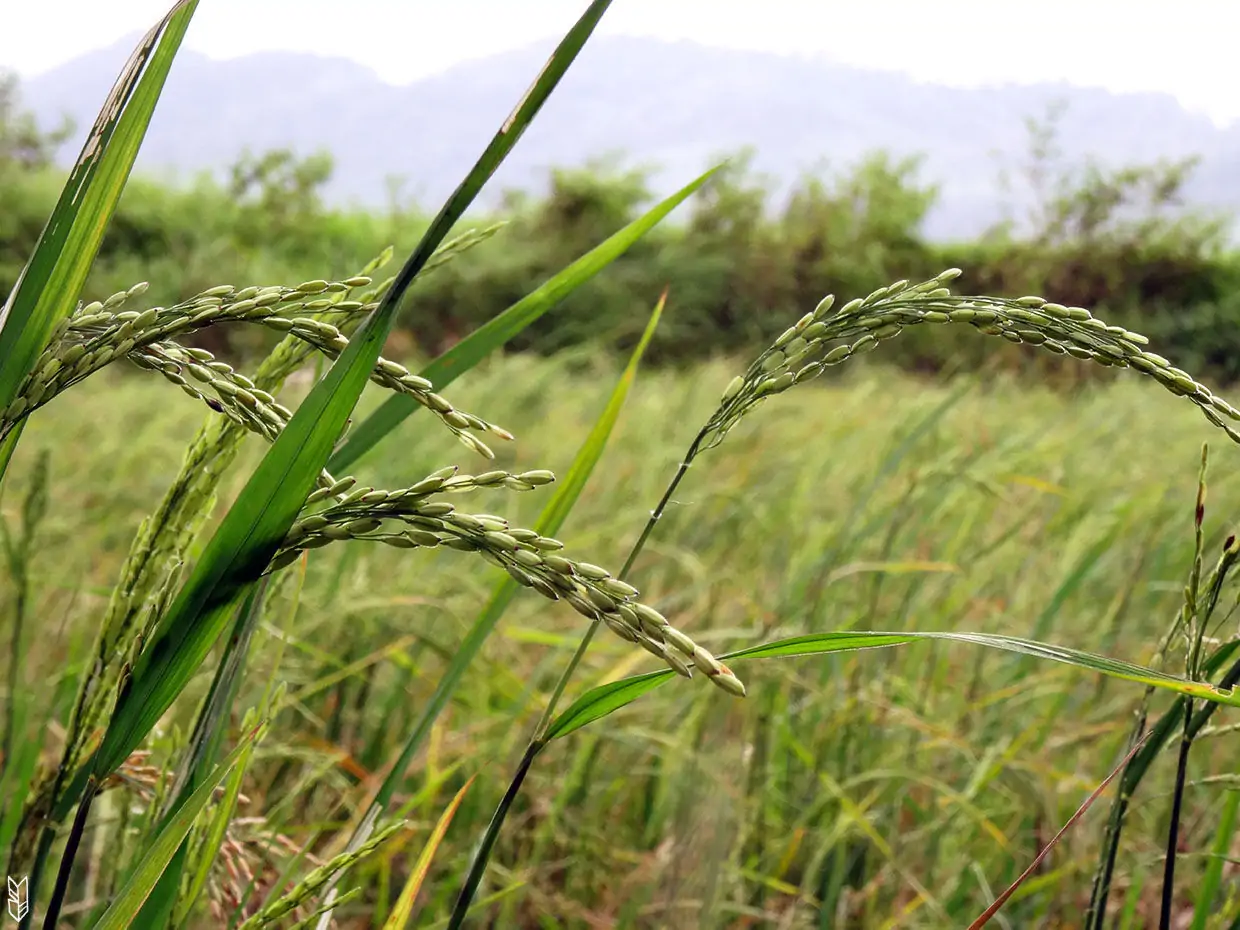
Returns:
<point x="1187" y="48"/>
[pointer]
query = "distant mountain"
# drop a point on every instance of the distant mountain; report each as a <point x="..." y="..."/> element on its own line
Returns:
<point x="673" y="106"/>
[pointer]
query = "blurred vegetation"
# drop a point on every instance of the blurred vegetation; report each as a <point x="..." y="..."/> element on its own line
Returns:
<point x="842" y="786"/>
<point x="739" y="260"/>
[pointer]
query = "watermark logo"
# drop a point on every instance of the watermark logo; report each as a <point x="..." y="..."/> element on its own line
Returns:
<point x="19" y="898"/>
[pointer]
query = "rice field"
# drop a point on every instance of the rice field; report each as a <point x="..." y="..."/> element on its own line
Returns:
<point x="897" y="787"/>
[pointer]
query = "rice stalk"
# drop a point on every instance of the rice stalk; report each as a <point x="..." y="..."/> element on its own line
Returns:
<point x="309" y="886"/>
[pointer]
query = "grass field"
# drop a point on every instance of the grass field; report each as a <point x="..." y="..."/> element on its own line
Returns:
<point x="897" y="787"/>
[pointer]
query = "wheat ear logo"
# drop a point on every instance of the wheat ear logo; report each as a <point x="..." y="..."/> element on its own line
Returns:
<point x="19" y="898"/>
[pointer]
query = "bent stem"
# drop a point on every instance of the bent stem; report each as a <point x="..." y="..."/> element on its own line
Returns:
<point x="483" y="855"/>
<point x="1173" y="832"/>
<point x="52" y="917"/>
<point x="998" y="903"/>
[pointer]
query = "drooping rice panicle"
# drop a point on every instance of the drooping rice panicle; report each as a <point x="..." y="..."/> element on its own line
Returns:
<point x="100" y="334"/>
<point x="823" y="338"/>
<point x="533" y="561"/>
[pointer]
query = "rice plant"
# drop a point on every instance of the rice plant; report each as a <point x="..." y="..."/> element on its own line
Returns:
<point x="196" y="589"/>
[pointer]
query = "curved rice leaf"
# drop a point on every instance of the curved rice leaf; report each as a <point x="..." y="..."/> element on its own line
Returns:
<point x="601" y="701"/>
<point x="549" y="522"/>
<point x="199" y="755"/>
<point x="399" y="918"/>
<point x="568" y="489"/>
<point x="1207" y="903"/>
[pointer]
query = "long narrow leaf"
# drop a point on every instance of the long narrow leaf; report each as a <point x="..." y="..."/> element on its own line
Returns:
<point x="483" y="853"/>
<point x="498" y="331"/>
<point x="242" y="545"/>
<point x="216" y="832"/>
<point x="204" y="743"/>
<point x="1207" y="891"/>
<point x="399" y="918"/>
<point x="262" y="514"/>
<point x="51" y="282"/>
<point x="993" y="909"/>
<point x="549" y="522"/>
<point x="557" y="513"/>
<point x="603" y="700"/>
<point x="128" y="901"/>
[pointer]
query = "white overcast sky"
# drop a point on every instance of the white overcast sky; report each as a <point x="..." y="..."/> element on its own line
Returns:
<point x="1188" y="48"/>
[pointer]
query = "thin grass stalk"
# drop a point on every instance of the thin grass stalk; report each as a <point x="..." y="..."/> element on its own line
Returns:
<point x="199" y="757"/>
<point x="1095" y="916"/>
<point x="209" y="727"/>
<point x="1212" y="881"/>
<point x="991" y="911"/>
<point x="482" y="856"/>
<point x="61" y="888"/>
<point x="19" y="550"/>
<point x="46" y="837"/>
<point x="1191" y="620"/>
<point x="1193" y="624"/>
<point x="882" y="315"/>
<point x="557" y="692"/>
<point x="551" y="519"/>
<point x="1178" y="714"/>
<point x="1167" y="901"/>
<point x="503" y="327"/>
<point x="509" y="133"/>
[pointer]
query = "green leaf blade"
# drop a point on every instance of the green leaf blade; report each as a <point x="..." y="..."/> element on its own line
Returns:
<point x="254" y="526"/>
<point x="52" y="280"/>
<point x="549" y="522"/>
<point x="501" y="329"/>
<point x="605" y="699"/>
<point x="143" y="878"/>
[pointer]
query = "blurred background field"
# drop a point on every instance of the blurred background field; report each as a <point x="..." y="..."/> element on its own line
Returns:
<point x="922" y="778"/>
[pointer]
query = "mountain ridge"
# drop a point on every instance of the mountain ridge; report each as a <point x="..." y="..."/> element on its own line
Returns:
<point x="676" y="105"/>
